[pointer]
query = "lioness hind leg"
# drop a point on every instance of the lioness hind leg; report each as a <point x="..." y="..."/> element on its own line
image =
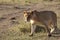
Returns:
<point x="48" y="30"/>
<point x="33" y="27"/>
<point x="54" y="23"/>
<point x="52" y="29"/>
<point x="55" y="26"/>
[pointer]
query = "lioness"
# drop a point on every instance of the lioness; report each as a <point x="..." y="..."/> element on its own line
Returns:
<point x="47" y="18"/>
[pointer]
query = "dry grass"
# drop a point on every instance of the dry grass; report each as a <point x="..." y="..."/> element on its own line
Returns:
<point x="18" y="1"/>
<point x="20" y="30"/>
<point x="24" y="2"/>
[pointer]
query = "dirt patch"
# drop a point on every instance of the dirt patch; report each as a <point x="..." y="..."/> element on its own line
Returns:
<point x="12" y="15"/>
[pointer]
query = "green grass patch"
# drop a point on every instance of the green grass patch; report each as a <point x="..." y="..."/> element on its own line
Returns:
<point x="19" y="32"/>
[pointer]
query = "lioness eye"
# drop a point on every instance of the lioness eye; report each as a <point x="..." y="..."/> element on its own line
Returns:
<point x="26" y="15"/>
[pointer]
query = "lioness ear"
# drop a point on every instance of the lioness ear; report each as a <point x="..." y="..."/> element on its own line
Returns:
<point x="33" y="11"/>
<point x="25" y="12"/>
<point x="30" y="11"/>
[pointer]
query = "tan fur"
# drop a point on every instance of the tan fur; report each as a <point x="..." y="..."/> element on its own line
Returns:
<point x="47" y="18"/>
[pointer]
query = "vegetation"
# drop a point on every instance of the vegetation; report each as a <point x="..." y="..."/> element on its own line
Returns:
<point x="21" y="30"/>
<point x="17" y="1"/>
<point x="22" y="1"/>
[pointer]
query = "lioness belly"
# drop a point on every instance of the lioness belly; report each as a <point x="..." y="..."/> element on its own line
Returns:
<point x="36" y="23"/>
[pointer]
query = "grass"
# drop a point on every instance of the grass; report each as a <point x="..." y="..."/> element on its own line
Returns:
<point x="21" y="2"/>
<point x="19" y="32"/>
<point x="17" y="1"/>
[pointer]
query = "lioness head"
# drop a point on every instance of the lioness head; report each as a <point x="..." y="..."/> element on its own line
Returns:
<point x="28" y="15"/>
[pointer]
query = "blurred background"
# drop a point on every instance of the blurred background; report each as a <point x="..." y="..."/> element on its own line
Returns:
<point x="12" y="25"/>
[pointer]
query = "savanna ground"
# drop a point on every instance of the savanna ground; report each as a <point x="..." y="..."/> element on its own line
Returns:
<point x="12" y="25"/>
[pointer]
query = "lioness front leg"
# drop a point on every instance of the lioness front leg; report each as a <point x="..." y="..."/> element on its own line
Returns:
<point x="33" y="27"/>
